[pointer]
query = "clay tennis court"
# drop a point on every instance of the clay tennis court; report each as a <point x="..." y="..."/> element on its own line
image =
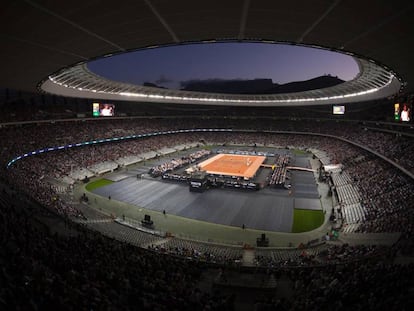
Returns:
<point x="233" y="165"/>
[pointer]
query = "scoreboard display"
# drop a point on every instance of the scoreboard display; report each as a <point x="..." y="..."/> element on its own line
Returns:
<point x="338" y="109"/>
<point x="103" y="110"/>
<point x="402" y="112"/>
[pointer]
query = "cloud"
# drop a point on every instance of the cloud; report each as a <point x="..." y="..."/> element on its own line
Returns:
<point x="163" y="80"/>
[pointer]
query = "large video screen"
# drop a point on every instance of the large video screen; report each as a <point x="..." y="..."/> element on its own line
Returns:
<point x="402" y="112"/>
<point x="338" y="109"/>
<point x="103" y="110"/>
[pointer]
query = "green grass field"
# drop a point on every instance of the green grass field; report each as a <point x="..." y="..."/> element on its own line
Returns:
<point x="98" y="184"/>
<point x="306" y="220"/>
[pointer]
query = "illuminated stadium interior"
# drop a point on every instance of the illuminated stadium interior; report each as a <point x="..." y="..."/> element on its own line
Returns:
<point x="120" y="196"/>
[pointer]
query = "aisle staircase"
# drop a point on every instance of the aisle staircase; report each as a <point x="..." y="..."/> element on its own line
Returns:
<point x="248" y="259"/>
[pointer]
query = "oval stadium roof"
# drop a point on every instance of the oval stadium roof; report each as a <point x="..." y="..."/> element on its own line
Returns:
<point x="42" y="37"/>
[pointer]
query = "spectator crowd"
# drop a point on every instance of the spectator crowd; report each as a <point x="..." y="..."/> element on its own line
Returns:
<point x="40" y="271"/>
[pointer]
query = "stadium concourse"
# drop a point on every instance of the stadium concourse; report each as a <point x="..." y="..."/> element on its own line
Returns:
<point x="58" y="240"/>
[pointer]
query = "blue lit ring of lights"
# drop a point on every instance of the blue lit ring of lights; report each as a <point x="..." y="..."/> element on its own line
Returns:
<point x="108" y="140"/>
<point x="144" y="135"/>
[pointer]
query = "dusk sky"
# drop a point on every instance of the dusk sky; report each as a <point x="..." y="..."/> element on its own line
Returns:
<point x="168" y="66"/>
